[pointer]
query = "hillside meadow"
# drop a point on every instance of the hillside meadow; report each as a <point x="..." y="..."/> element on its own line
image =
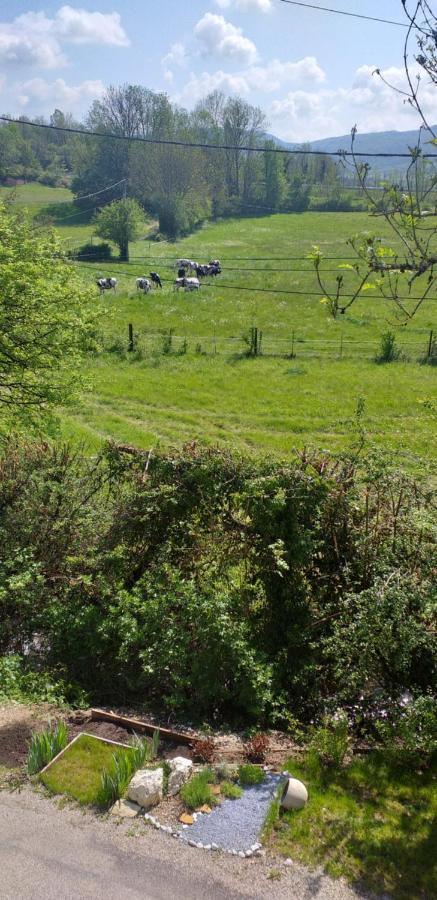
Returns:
<point x="190" y="378"/>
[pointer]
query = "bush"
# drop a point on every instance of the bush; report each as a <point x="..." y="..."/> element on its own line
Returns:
<point x="329" y="743"/>
<point x="203" y="749"/>
<point x="44" y="746"/>
<point x="388" y="351"/>
<point x="256" y="748"/>
<point x="197" y="791"/>
<point x="249" y="774"/>
<point x="409" y="732"/>
<point x="230" y="791"/>
<point x="92" y="252"/>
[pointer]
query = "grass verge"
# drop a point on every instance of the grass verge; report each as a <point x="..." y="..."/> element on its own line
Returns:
<point x="374" y="823"/>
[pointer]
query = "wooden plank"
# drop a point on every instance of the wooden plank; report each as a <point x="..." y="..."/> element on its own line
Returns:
<point x="178" y="737"/>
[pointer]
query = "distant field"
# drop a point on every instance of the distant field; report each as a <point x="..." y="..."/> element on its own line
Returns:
<point x="35" y="196"/>
<point x="212" y="392"/>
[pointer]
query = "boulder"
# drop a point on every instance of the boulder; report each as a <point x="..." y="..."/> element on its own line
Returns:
<point x="180" y="771"/>
<point x="146" y="787"/>
<point x="125" y="809"/>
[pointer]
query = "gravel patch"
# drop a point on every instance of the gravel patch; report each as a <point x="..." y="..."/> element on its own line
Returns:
<point x="235" y="824"/>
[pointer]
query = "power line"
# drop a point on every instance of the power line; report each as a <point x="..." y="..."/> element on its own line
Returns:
<point x="236" y="287"/>
<point x="343" y="12"/>
<point x="201" y="145"/>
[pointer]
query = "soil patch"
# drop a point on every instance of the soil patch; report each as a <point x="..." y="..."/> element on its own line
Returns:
<point x="16" y="725"/>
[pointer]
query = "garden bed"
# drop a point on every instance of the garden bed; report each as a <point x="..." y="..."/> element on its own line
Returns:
<point x="77" y="770"/>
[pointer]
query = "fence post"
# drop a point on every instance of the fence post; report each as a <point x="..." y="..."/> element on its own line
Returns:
<point x="430" y="344"/>
<point x="341" y="346"/>
<point x="130" y="345"/>
<point x="292" y="344"/>
<point x="260" y="339"/>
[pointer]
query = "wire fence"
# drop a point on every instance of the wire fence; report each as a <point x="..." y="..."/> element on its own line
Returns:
<point x="255" y="342"/>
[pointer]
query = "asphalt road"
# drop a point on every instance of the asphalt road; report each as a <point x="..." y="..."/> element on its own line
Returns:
<point x="57" y="854"/>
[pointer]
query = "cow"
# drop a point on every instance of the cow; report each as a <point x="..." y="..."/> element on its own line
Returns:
<point x="213" y="269"/>
<point x="188" y="284"/>
<point x="143" y="284"/>
<point x="185" y="264"/>
<point x="106" y="284"/>
<point x="156" y="279"/>
<point x="181" y="272"/>
<point x="215" y="262"/>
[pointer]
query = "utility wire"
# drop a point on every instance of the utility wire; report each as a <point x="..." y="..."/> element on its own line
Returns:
<point x="343" y="12"/>
<point x="203" y="146"/>
<point x="236" y="287"/>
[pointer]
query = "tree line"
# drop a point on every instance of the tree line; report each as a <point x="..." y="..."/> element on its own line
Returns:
<point x="180" y="186"/>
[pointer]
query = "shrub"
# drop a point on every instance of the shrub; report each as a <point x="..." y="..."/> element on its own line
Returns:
<point x="256" y="748"/>
<point x="329" y="743"/>
<point x="141" y="752"/>
<point x="409" y="733"/>
<point x="388" y="352"/>
<point x="197" y="792"/>
<point x="44" y="746"/>
<point x="249" y="774"/>
<point x="230" y="791"/>
<point x="92" y="252"/>
<point x="203" y="749"/>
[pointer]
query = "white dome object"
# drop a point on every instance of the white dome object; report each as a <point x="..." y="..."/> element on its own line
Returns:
<point x="294" y="795"/>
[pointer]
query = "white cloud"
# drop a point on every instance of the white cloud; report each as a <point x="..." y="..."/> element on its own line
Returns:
<point x="82" y="27"/>
<point x="256" y="5"/>
<point x="220" y="38"/>
<point x="368" y="102"/>
<point x="44" y="94"/>
<point x="34" y="39"/>
<point x="255" y="79"/>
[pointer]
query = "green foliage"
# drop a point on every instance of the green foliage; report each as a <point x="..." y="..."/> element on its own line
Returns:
<point x="409" y="732"/>
<point x="230" y="791"/>
<point x="47" y="320"/>
<point x="142" y="752"/>
<point x="120" y="222"/>
<point x="44" y="746"/>
<point x="197" y="791"/>
<point x="78" y="772"/>
<point x="329" y="743"/>
<point x="115" y="781"/>
<point x="155" y="743"/>
<point x="18" y="681"/>
<point x="389" y="351"/>
<point x="250" y="774"/>
<point x="90" y="253"/>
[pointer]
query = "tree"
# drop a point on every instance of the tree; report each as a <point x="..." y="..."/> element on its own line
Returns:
<point x="275" y="181"/>
<point x="403" y="273"/>
<point x="120" y="222"/>
<point x="47" y="321"/>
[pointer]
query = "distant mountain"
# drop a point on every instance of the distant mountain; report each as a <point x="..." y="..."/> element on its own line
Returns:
<point x="372" y="142"/>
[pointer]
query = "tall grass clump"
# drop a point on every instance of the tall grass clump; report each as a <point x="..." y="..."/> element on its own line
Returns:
<point x="197" y="791"/>
<point x="44" y="746"/>
<point x="114" y="782"/>
<point x="142" y="752"/>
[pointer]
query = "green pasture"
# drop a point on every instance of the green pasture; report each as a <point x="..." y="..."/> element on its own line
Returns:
<point x="189" y="377"/>
<point x="35" y="196"/>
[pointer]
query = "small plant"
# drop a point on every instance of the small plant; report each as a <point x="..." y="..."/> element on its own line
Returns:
<point x="388" y="351"/>
<point x="44" y="746"/>
<point x="155" y="743"/>
<point x="166" y="769"/>
<point x="256" y="748"/>
<point x="141" y="752"/>
<point x="203" y="749"/>
<point x="167" y="342"/>
<point x="329" y="743"/>
<point x="197" y="792"/>
<point x="114" y="783"/>
<point x="227" y="772"/>
<point x="230" y="791"/>
<point x="249" y="774"/>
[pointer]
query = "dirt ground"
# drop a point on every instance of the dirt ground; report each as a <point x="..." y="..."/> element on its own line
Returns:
<point x="18" y="721"/>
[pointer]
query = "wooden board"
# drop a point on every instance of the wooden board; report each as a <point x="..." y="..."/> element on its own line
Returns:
<point x="177" y="737"/>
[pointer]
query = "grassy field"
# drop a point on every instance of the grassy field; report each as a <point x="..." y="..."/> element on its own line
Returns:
<point x="373" y="823"/>
<point x="77" y="773"/>
<point x="190" y="379"/>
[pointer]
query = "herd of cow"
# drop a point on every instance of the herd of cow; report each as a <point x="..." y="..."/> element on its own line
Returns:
<point x="186" y="278"/>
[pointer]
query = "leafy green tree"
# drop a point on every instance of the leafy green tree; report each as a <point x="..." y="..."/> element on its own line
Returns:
<point x="275" y="182"/>
<point x="47" y="320"/>
<point x="120" y="222"/>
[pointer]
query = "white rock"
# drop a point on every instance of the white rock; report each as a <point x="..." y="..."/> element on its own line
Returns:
<point x="214" y="846"/>
<point x="125" y="809"/>
<point x="241" y="854"/>
<point x="199" y="845"/>
<point x="256" y="847"/>
<point x="192" y="843"/>
<point x="180" y="771"/>
<point x="248" y="854"/>
<point x="207" y="847"/>
<point x="294" y="795"/>
<point x="288" y="862"/>
<point x="146" y="787"/>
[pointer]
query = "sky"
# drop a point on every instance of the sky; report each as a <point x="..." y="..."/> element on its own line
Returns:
<point x="310" y="71"/>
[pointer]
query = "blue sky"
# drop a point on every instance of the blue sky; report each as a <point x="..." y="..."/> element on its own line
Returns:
<point x="310" y="71"/>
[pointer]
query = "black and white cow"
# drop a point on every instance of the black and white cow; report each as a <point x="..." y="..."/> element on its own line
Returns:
<point x="106" y="284"/>
<point x="188" y="284"/>
<point x="143" y="284"/>
<point x="156" y="279"/>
